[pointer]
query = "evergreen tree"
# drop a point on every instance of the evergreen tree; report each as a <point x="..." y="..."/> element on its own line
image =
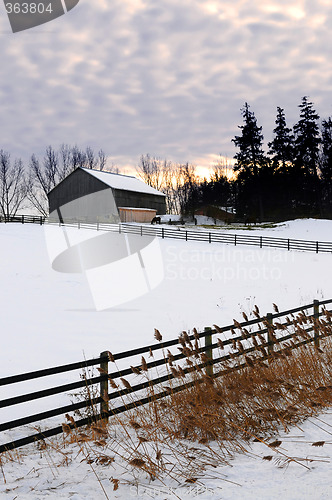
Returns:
<point x="307" y="137"/>
<point x="281" y="151"/>
<point x="326" y="156"/>
<point x="307" y="141"/>
<point x="249" y="160"/>
<point x="326" y="164"/>
<point x="281" y="148"/>
<point x="250" y="156"/>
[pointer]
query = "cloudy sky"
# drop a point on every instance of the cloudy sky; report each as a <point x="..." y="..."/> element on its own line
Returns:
<point x="164" y="77"/>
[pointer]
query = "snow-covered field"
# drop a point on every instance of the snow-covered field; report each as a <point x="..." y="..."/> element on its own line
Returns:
<point x="49" y="318"/>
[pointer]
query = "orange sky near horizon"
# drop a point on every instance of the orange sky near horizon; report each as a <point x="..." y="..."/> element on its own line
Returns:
<point x="204" y="166"/>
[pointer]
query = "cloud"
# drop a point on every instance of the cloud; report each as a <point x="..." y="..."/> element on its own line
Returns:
<point x="135" y="76"/>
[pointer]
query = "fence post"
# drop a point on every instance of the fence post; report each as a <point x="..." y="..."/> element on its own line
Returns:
<point x="208" y="351"/>
<point x="269" y="331"/>
<point x="316" y="329"/>
<point x="234" y="239"/>
<point x="288" y="244"/>
<point x="316" y="246"/>
<point x="209" y="237"/>
<point x="261" y="241"/>
<point x="22" y="219"/>
<point x="162" y="233"/>
<point x="104" y="385"/>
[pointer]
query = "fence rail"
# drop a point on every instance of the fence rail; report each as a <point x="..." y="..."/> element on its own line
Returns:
<point x="216" y="237"/>
<point x="186" y="234"/>
<point x="115" y="402"/>
<point x="23" y="219"/>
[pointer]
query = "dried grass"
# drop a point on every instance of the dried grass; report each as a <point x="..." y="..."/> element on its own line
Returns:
<point x="201" y="427"/>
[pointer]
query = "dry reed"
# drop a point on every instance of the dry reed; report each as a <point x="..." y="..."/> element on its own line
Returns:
<point x="185" y="433"/>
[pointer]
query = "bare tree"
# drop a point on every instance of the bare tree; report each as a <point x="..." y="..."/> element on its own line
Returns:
<point x="151" y="171"/>
<point x="65" y="161"/>
<point x="102" y="158"/>
<point x="186" y="182"/>
<point x="12" y="185"/>
<point x="45" y="175"/>
<point x="37" y="196"/>
<point x="96" y="162"/>
<point x="78" y="158"/>
<point x="177" y="181"/>
<point x="221" y="169"/>
<point x="42" y="178"/>
<point x="169" y="187"/>
<point x="56" y="165"/>
<point x="90" y="158"/>
<point x="161" y="175"/>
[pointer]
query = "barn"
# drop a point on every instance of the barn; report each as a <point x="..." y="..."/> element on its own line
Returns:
<point x="225" y="214"/>
<point x="91" y="195"/>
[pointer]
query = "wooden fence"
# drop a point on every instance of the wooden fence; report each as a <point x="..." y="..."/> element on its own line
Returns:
<point x="187" y="234"/>
<point x="23" y="219"/>
<point x="228" y="238"/>
<point x="305" y="329"/>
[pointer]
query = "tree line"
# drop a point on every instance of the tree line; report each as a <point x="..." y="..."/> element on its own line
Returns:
<point x="293" y="178"/>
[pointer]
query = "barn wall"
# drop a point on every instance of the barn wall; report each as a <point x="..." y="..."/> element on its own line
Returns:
<point x="140" y="200"/>
<point x="81" y="196"/>
<point x="76" y="185"/>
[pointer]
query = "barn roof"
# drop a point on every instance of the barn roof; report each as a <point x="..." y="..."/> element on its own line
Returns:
<point x="124" y="182"/>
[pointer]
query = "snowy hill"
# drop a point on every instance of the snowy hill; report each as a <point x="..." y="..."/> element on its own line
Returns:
<point x="53" y="313"/>
<point x="48" y="318"/>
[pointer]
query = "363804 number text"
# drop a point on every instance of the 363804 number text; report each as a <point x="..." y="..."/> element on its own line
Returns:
<point x="28" y="8"/>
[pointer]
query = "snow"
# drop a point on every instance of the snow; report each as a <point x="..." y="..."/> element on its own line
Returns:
<point x="170" y="217"/>
<point x="120" y="181"/>
<point x="305" y="229"/>
<point x="42" y="474"/>
<point x="48" y="319"/>
<point x="138" y="209"/>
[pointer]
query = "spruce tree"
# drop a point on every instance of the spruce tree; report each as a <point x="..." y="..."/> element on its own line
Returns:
<point x="281" y="151"/>
<point x="249" y="161"/>
<point x="307" y="141"/>
<point x="326" y="155"/>
<point x="326" y="164"/>
<point x="250" y="156"/>
<point x="281" y="148"/>
<point x="307" y="137"/>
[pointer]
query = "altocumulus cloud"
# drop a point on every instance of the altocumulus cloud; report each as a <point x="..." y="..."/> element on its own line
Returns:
<point x="168" y="78"/>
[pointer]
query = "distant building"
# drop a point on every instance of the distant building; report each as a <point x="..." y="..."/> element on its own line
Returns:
<point x="224" y="214"/>
<point x="96" y="196"/>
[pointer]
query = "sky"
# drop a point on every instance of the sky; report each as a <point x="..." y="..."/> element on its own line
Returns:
<point x="166" y="78"/>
